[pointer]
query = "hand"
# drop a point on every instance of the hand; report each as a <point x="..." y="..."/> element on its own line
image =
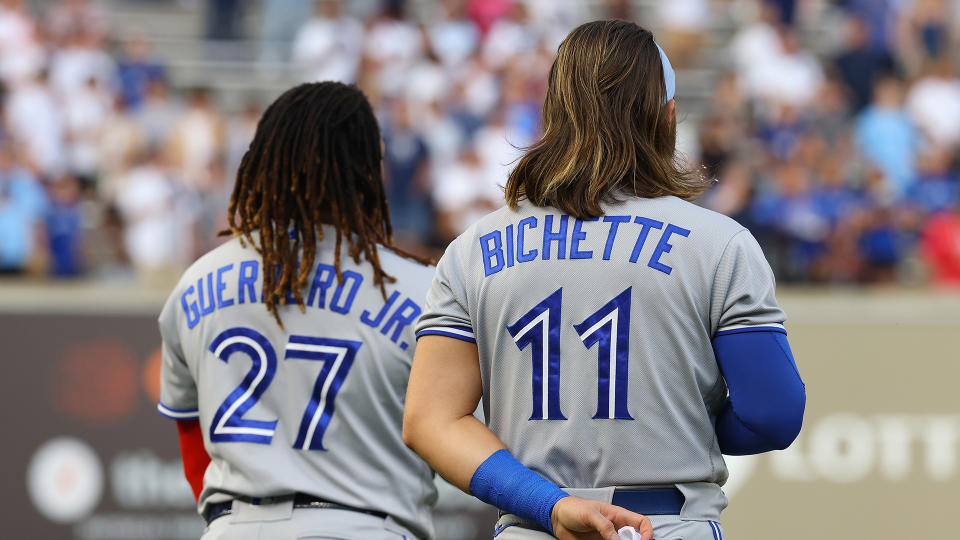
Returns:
<point x="574" y="518"/>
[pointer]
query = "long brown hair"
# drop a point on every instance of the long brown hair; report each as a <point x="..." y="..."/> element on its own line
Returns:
<point x="607" y="130"/>
<point x="315" y="159"/>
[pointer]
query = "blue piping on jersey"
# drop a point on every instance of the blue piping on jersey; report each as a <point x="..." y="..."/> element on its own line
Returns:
<point x="177" y="414"/>
<point x="502" y="528"/>
<point x="464" y="328"/>
<point x="767" y="397"/>
<point x="717" y="535"/>
<point x="751" y="329"/>
<point x="437" y="332"/>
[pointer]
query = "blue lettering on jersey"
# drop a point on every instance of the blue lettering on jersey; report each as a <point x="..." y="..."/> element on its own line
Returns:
<point x="221" y="286"/>
<point x="664" y="247"/>
<point x="375" y="322"/>
<point x="645" y="225"/>
<point x="212" y="293"/>
<point x="614" y="222"/>
<point x="247" y="280"/>
<point x="401" y="318"/>
<point x="321" y="282"/>
<point x="560" y="237"/>
<point x="494" y="252"/>
<point x="525" y="256"/>
<point x="344" y="307"/>
<point x="506" y="248"/>
<point x="206" y="309"/>
<point x="190" y="310"/>
<point x="576" y="238"/>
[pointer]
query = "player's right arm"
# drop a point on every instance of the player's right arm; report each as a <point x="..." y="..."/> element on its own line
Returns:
<point x="444" y="389"/>
<point x="194" y="455"/>
<point x="439" y="425"/>
<point x="178" y="398"/>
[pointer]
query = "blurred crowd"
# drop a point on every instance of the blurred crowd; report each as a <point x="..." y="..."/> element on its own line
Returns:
<point x="841" y="156"/>
<point x="830" y="129"/>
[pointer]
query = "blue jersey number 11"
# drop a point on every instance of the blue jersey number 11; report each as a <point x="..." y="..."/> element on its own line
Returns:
<point x="608" y="328"/>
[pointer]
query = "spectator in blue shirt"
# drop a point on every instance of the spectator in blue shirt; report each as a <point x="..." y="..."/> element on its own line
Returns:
<point x="886" y="137"/>
<point x="22" y="205"/>
<point x="937" y="188"/>
<point x="801" y="230"/>
<point x="834" y="197"/>
<point x="64" y="228"/>
<point x="859" y="63"/>
<point x="137" y="69"/>
<point x="405" y="162"/>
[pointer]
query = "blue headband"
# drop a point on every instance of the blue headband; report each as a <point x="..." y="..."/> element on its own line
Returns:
<point x="669" y="77"/>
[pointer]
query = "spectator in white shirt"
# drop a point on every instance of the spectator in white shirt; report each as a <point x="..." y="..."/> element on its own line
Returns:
<point x="157" y="113"/>
<point x="791" y="77"/>
<point x="122" y="140"/>
<point x="196" y="140"/>
<point x="462" y="193"/>
<point x="455" y="37"/>
<point x="329" y="46"/>
<point x="509" y="37"/>
<point x="146" y="202"/>
<point x="21" y="55"/>
<point x="35" y="120"/>
<point x="393" y="45"/>
<point x="82" y="58"/>
<point x="934" y="105"/>
<point x="85" y="112"/>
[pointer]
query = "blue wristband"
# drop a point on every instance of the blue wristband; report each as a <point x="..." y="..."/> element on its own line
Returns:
<point x="504" y="482"/>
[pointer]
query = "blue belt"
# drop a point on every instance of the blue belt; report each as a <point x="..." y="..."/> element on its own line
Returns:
<point x="654" y="501"/>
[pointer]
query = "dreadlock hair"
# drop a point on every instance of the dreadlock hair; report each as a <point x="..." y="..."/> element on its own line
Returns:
<point x="314" y="160"/>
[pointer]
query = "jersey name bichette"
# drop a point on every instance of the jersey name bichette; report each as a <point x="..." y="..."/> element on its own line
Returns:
<point x="504" y="248"/>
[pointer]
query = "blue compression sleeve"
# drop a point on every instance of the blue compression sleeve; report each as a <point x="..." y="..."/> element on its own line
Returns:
<point x="767" y="397"/>
<point x="504" y="482"/>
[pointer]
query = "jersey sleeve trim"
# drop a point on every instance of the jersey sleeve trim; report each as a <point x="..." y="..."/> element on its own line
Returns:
<point x="742" y="328"/>
<point x="178" y="414"/>
<point x="458" y="332"/>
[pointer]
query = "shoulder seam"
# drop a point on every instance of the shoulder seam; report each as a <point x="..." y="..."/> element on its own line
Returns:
<point x="722" y="253"/>
<point x="716" y="268"/>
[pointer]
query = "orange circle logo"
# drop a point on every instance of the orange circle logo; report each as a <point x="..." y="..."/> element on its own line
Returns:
<point x="96" y="382"/>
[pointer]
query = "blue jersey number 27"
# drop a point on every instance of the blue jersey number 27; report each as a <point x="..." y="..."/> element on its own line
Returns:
<point x="228" y="423"/>
<point x="608" y="328"/>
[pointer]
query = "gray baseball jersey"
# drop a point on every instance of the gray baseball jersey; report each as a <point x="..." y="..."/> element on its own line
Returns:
<point x="315" y="407"/>
<point x="595" y="335"/>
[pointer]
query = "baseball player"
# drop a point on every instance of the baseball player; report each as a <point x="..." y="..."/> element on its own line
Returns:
<point x="621" y="338"/>
<point x="286" y="351"/>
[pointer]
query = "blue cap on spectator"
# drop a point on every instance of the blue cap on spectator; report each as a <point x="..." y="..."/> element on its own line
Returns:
<point x="669" y="77"/>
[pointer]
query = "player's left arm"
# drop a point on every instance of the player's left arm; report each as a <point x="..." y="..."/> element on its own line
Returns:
<point x="764" y="410"/>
